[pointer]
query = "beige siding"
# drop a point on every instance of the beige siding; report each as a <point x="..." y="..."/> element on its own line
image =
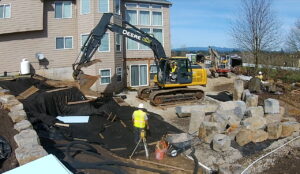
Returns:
<point x="25" y="16"/>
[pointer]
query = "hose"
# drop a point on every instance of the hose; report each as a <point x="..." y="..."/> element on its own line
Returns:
<point x="267" y="154"/>
<point x="109" y="165"/>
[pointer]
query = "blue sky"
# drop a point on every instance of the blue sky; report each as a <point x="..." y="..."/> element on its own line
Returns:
<point x="207" y="22"/>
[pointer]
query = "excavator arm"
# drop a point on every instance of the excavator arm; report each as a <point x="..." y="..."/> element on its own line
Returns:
<point x="94" y="40"/>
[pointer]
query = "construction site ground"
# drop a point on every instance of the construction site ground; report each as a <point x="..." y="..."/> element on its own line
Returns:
<point x="286" y="164"/>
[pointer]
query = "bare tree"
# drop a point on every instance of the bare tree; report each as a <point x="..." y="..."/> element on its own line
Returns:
<point x="293" y="40"/>
<point x="256" y="27"/>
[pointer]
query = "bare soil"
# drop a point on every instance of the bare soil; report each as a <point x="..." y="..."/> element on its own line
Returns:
<point x="8" y="132"/>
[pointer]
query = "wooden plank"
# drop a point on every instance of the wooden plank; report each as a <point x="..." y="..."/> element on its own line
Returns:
<point x="163" y="165"/>
<point x="58" y="89"/>
<point x="28" y="92"/>
<point x="118" y="149"/>
<point x="101" y="135"/>
<point x="61" y="124"/>
<point x="124" y="125"/>
<point x="78" y="102"/>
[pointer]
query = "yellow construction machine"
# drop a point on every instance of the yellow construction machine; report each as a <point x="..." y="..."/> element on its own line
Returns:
<point x="170" y="86"/>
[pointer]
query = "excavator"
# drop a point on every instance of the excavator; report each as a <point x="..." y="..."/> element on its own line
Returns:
<point x="220" y="64"/>
<point x="166" y="89"/>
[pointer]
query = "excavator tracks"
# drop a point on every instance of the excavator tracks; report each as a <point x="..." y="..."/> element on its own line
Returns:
<point x="161" y="97"/>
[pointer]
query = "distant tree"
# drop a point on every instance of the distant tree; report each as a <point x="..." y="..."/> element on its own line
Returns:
<point x="256" y="27"/>
<point x="293" y="40"/>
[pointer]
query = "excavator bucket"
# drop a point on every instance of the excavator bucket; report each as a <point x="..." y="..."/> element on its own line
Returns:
<point x="85" y="82"/>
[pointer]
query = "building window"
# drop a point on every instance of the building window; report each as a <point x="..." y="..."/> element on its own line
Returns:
<point x="142" y="46"/>
<point x="156" y="6"/>
<point x="158" y="34"/>
<point x="103" y="6"/>
<point x="84" y="38"/>
<point x="105" y="76"/>
<point x="64" y="42"/>
<point x="104" y="46"/>
<point x="85" y="7"/>
<point x="153" y="71"/>
<point x="119" y="74"/>
<point x="139" y="75"/>
<point x="5" y="11"/>
<point x="131" y="16"/>
<point x="157" y="18"/>
<point x="63" y="9"/>
<point x="118" y="42"/>
<point x="144" y="5"/>
<point x="144" y="18"/>
<point x="131" y="44"/>
<point x="117" y="7"/>
<point x="133" y="5"/>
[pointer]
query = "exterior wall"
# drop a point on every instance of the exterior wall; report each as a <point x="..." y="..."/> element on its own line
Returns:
<point x="137" y="57"/>
<point x="15" y="46"/>
<point x="25" y="16"/>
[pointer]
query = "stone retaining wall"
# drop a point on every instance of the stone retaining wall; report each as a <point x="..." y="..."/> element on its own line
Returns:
<point x="27" y="140"/>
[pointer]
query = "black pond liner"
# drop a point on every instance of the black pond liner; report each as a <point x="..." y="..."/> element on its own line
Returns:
<point x="222" y="96"/>
<point x="42" y="108"/>
<point x="252" y="148"/>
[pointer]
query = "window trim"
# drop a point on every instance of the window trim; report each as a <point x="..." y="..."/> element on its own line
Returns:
<point x="132" y="4"/>
<point x="119" y="12"/>
<point x="137" y="16"/>
<point x="139" y="44"/>
<point x="105" y="76"/>
<point x="63" y="9"/>
<point x="121" y="41"/>
<point x="157" y="5"/>
<point x="107" y="7"/>
<point x="81" y="43"/>
<point x="139" y="76"/>
<point x="162" y="32"/>
<point x="9" y="4"/>
<point x="108" y="44"/>
<point x="81" y="8"/>
<point x="120" y="74"/>
<point x="150" y="17"/>
<point x="64" y="37"/>
<point x="162" y="19"/>
<point x="139" y="5"/>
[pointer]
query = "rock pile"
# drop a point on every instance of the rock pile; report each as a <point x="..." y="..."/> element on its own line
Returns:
<point x="29" y="147"/>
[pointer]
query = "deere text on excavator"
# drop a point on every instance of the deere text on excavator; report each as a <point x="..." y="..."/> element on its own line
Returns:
<point x="171" y="83"/>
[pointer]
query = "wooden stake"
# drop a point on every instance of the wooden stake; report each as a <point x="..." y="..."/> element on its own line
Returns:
<point x="79" y="139"/>
<point x="124" y="125"/>
<point x="118" y="149"/>
<point x="61" y="124"/>
<point x="101" y="135"/>
<point x="114" y="118"/>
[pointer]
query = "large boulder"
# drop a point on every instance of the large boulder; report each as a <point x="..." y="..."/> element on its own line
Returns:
<point x="22" y="125"/>
<point x="6" y="98"/>
<point x="259" y="136"/>
<point x="246" y="94"/>
<point x="222" y="119"/>
<point x="254" y="123"/>
<point x="271" y="106"/>
<point x="289" y="127"/>
<point x="235" y="108"/>
<point x="197" y="117"/>
<point x="244" y="137"/>
<point x="274" y="130"/>
<point x="17" y="116"/>
<point x="26" y="154"/>
<point x="255" y="85"/>
<point x="185" y="111"/>
<point x="26" y="138"/>
<point x="252" y="100"/>
<point x="255" y="111"/>
<point x="208" y="130"/>
<point x="238" y="89"/>
<point x="221" y="143"/>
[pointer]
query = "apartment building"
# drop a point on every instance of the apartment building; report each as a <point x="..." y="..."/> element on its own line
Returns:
<point x="56" y="30"/>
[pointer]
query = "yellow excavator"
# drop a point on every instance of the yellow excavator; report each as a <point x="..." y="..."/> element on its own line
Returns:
<point x="170" y="86"/>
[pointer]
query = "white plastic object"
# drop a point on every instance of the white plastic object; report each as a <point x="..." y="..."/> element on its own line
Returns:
<point x="25" y="67"/>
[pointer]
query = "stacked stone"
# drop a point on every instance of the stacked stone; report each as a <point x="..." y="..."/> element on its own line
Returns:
<point x="29" y="147"/>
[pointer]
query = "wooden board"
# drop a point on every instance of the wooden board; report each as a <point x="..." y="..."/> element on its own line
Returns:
<point x="28" y="92"/>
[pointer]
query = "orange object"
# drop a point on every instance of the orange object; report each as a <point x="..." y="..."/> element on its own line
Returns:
<point x="161" y="149"/>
